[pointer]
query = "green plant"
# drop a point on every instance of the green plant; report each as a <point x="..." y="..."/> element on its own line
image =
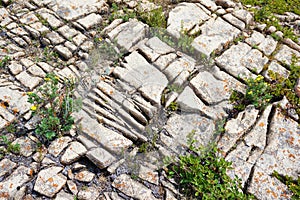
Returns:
<point x="285" y="86"/>
<point x="201" y="174"/>
<point x="54" y="106"/>
<point x="293" y="185"/>
<point x="4" y="61"/>
<point x="173" y="106"/>
<point x="42" y="20"/>
<point x="265" y="14"/>
<point x="154" y="18"/>
<point x="122" y="12"/>
<point x="11" y="127"/>
<point x="149" y="145"/>
<point x="49" y="55"/>
<point x="258" y="93"/>
<point x="14" y="148"/>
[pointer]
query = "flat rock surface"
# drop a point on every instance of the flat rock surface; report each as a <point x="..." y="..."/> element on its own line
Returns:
<point x="142" y="93"/>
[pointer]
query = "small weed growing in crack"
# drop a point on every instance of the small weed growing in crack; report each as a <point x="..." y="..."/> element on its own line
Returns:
<point x="258" y="93"/>
<point x="9" y="147"/>
<point x="261" y="93"/>
<point x="154" y="18"/>
<point x="173" y="106"/>
<point x="4" y="61"/>
<point x="293" y="185"/>
<point x="201" y="174"/>
<point x="54" y="106"/>
<point x="120" y="12"/>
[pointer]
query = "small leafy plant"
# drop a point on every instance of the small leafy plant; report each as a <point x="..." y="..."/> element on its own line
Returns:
<point x="119" y="11"/>
<point x="54" y="106"/>
<point x="258" y="93"/>
<point x="4" y="61"/>
<point x="154" y="18"/>
<point x="9" y="147"/>
<point x="201" y="174"/>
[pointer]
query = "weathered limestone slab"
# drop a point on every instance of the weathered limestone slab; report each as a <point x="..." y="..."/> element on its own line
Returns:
<point x="235" y="128"/>
<point x="143" y="76"/>
<point x="27" y="80"/>
<point x="73" y="9"/>
<point x="214" y="33"/>
<point x="84" y="176"/>
<point x="100" y="157"/>
<point x="254" y="61"/>
<point x="209" y="88"/>
<point x="16" y="100"/>
<point x="231" y="60"/>
<point x="268" y="45"/>
<point x="132" y="188"/>
<point x="111" y="140"/>
<point x="258" y="135"/>
<point x="51" y="19"/>
<point x="180" y="126"/>
<point x="58" y="145"/>
<point x="244" y="15"/>
<point x="263" y="186"/>
<point x="90" y="20"/>
<point x="179" y="70"/>
<point x="277" y="68"/>
<point x="285" y="54"/>
<point x="234" y="21"/>
<point x="255" y="39"/>
<point x="63" y="51"/>
<point x="6" y="166"/>
<point x="163" y="61"/>
<point x="184" y="17"/>
<point x="67" y="31"/>
<point x="128" y="33"/>
<point x="91" y="193"/>
<point x="9" y="187"/>
<point x="241" y="169"/>
<point x="230" y="82"/>
<point x="6" y="114"/>
<point x="50" y="181"/>
<point x="36" y="71"/>
<point x="209" y="4"/>
<point x="55" y="38"/>
<point x="148" y="174"/>
<point x="15" y="68"/>
<point x="283" y="151"/>
<point x="189" y="102"/>
<point x="73" y="153"/>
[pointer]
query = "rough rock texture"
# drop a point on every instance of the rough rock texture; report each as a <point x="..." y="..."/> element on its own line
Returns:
<point x="141" y="88"/>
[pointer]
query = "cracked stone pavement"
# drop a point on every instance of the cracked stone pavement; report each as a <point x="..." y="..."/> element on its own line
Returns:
<point x="122" y="103"/>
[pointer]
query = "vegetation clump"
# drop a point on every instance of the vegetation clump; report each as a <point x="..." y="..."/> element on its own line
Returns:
<point x="261" y="92"/>
<point x="201" y="174"/>
<point x="9" y="147"/>
<point x="53" y="106"/>
<point x="267" y="10"/>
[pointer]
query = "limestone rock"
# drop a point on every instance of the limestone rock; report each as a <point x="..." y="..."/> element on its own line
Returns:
<point x="50" y="181"/>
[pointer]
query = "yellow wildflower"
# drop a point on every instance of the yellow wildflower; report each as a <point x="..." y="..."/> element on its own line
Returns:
<point x="56" y="77"/>
<point x="47" y="79"/>
<point x="250" y="92"/>
<point x="29" y="93"/>
<point x="33" y="108"/>
<point x="259" y="77"/>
